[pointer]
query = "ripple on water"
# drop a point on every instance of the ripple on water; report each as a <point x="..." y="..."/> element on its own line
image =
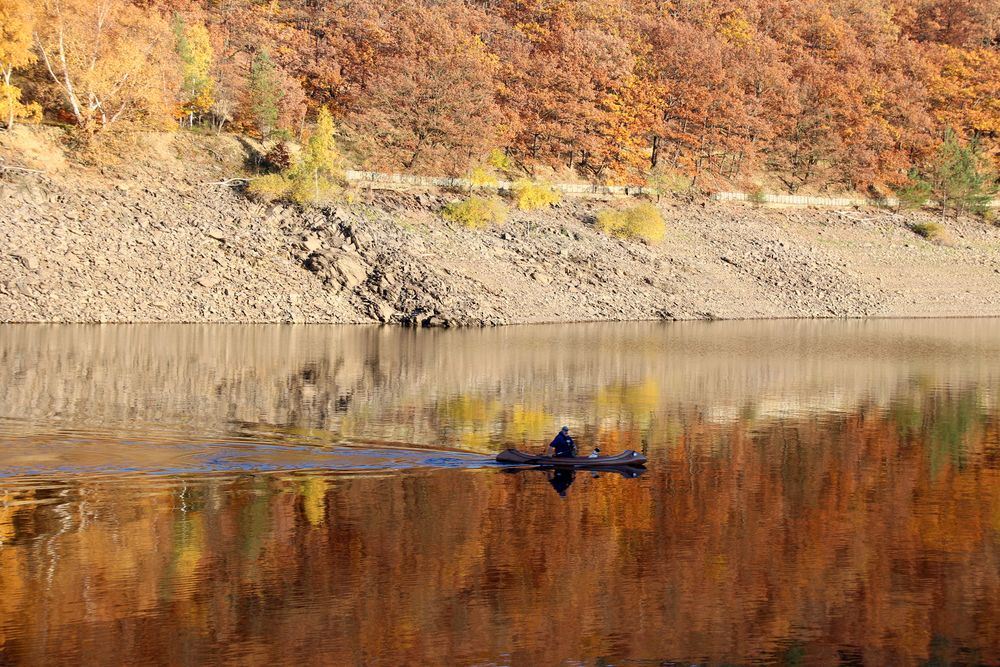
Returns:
<point x="35" y="452"/>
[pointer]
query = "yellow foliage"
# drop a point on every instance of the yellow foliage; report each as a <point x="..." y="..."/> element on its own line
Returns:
<point x="270" y="187"/>
<point x="314" y="500"/>
<point x="965" y="91"/>
<point x="476" y="212"/>
<point x="526" y="424"/>
<point x="112" y="61"/>
<point x="482" y="178"/>
<point x="319" y="173"/>
<point x="11" y="107"/>
<point x="499" y="160"/>
<point x="638" y="222"/>
<point x="530" y="196"/>
<point x="15" y="36"/>
<point x="736" y="29"/>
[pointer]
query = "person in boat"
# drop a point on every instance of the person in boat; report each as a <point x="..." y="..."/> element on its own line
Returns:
<point x="562" y="446"/>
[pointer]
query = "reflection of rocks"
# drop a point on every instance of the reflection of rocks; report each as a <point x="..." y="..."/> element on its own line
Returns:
<point x="476" y="389"/>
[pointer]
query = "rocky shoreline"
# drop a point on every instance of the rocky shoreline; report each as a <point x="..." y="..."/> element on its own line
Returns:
<point x="156" y="241"/>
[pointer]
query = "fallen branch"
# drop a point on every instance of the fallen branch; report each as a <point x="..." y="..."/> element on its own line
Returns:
<point x="233" y="182"/>
<point x="4" y="168"/>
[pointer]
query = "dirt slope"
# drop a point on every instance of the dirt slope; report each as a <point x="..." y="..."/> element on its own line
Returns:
<point x="153" y="240"/>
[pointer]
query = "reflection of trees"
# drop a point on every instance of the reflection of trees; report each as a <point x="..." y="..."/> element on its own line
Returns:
<point x="777" y="539"/>
<point x="476" y="389"/>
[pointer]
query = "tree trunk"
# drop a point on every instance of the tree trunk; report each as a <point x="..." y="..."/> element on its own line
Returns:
<point x="7" y="71"/>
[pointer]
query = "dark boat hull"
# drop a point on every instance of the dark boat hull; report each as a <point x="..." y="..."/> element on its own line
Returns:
<point x="627" y="458"/>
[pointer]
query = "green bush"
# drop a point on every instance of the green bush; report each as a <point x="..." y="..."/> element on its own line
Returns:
<point x="270" y="187"/>
<point x="529" y="196"/>
<point x="915" y="193"/>
<point x="476" y="212"/>
<point x="643" y="221"/>
<point x="932" y="231"/>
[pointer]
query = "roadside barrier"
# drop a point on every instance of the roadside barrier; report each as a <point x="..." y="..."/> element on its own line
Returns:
<point x="379" y="180"/>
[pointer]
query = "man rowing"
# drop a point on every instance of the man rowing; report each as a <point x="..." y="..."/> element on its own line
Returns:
<point x="562" y="446"/>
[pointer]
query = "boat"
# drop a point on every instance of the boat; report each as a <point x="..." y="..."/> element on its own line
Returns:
<point x="629" y="458"/>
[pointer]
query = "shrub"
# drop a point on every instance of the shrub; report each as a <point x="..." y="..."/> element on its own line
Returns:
<point x="482" y="178"/>
<point x="500" y="160"/>
<point x="756" y="197"/>
<point x="270" y="187"/>
<point x="476" y="212"/>
<point x="529" y="195"/>
<point x="668" y="181"/>
<point x="279" y="158"/>
<point x="638" y="222"/>
<point x="932" y="231"/>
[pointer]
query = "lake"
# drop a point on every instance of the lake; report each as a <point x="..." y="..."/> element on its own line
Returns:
<point x="817" y="493"/>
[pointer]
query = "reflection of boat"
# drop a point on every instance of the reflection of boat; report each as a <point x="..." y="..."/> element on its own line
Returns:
<point x="628" y="458"/>
<point x="629" y="472"/>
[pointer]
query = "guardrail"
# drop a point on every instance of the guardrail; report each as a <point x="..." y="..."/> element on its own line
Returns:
<point x="379" y="180"/>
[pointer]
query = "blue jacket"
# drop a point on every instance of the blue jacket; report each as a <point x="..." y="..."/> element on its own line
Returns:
<point x="564" y="445"/>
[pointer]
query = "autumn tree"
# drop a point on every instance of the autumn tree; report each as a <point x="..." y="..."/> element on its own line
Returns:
<point x="194" y="49"/>
<point x="15" y="52"/>
<point x="109" y="60"/>
<point x="320" y="170"/>
<point x="430" y="106"/>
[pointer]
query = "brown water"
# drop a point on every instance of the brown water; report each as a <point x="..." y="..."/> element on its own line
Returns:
<point x="818" y="493"/>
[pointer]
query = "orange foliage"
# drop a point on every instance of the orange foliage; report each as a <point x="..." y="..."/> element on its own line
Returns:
<point x="844" y="93"/>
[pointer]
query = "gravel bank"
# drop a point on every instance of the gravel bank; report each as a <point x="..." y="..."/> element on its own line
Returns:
<point x="153" y="242"/>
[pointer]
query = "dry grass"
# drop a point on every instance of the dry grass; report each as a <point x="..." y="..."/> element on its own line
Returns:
<point x="934" y="232"/>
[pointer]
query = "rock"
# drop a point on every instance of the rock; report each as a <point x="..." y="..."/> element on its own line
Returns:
<point x="216" y="233"/>
<point x="360" y="237"/>
<point x="351" y="270"/>
<point x="541" y="278"/>
<point x="312" y="243"/>
<point x="30" y="262"/>
<point x="208" y="281"/>
<point x="383" y="312"/>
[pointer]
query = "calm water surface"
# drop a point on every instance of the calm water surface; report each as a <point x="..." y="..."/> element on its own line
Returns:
<point x="818" y="493"/>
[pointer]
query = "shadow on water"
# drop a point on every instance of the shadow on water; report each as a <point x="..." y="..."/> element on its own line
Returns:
<point x="561" y="479"/>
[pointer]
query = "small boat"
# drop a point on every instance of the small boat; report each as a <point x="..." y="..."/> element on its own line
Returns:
<point x="626" y="458"/>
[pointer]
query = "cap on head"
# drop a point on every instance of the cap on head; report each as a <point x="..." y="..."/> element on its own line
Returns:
<point x="565" y="429"/>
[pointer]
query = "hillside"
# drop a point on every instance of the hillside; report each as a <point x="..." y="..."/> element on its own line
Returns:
<point x="154" y="240"/>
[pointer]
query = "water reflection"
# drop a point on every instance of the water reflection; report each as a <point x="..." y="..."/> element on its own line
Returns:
<point x="814" y="496"/>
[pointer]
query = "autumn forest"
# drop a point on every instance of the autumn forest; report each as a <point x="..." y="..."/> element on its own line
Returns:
<point x="817" y="93"/>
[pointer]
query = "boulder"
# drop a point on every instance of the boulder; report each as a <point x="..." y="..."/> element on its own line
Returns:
<point x="350" y="270"/>
<point x="541" y="278"/>
<point x="216" y="233"/>
<point x="208" y="281"/>
<point x="312" y="243"/>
